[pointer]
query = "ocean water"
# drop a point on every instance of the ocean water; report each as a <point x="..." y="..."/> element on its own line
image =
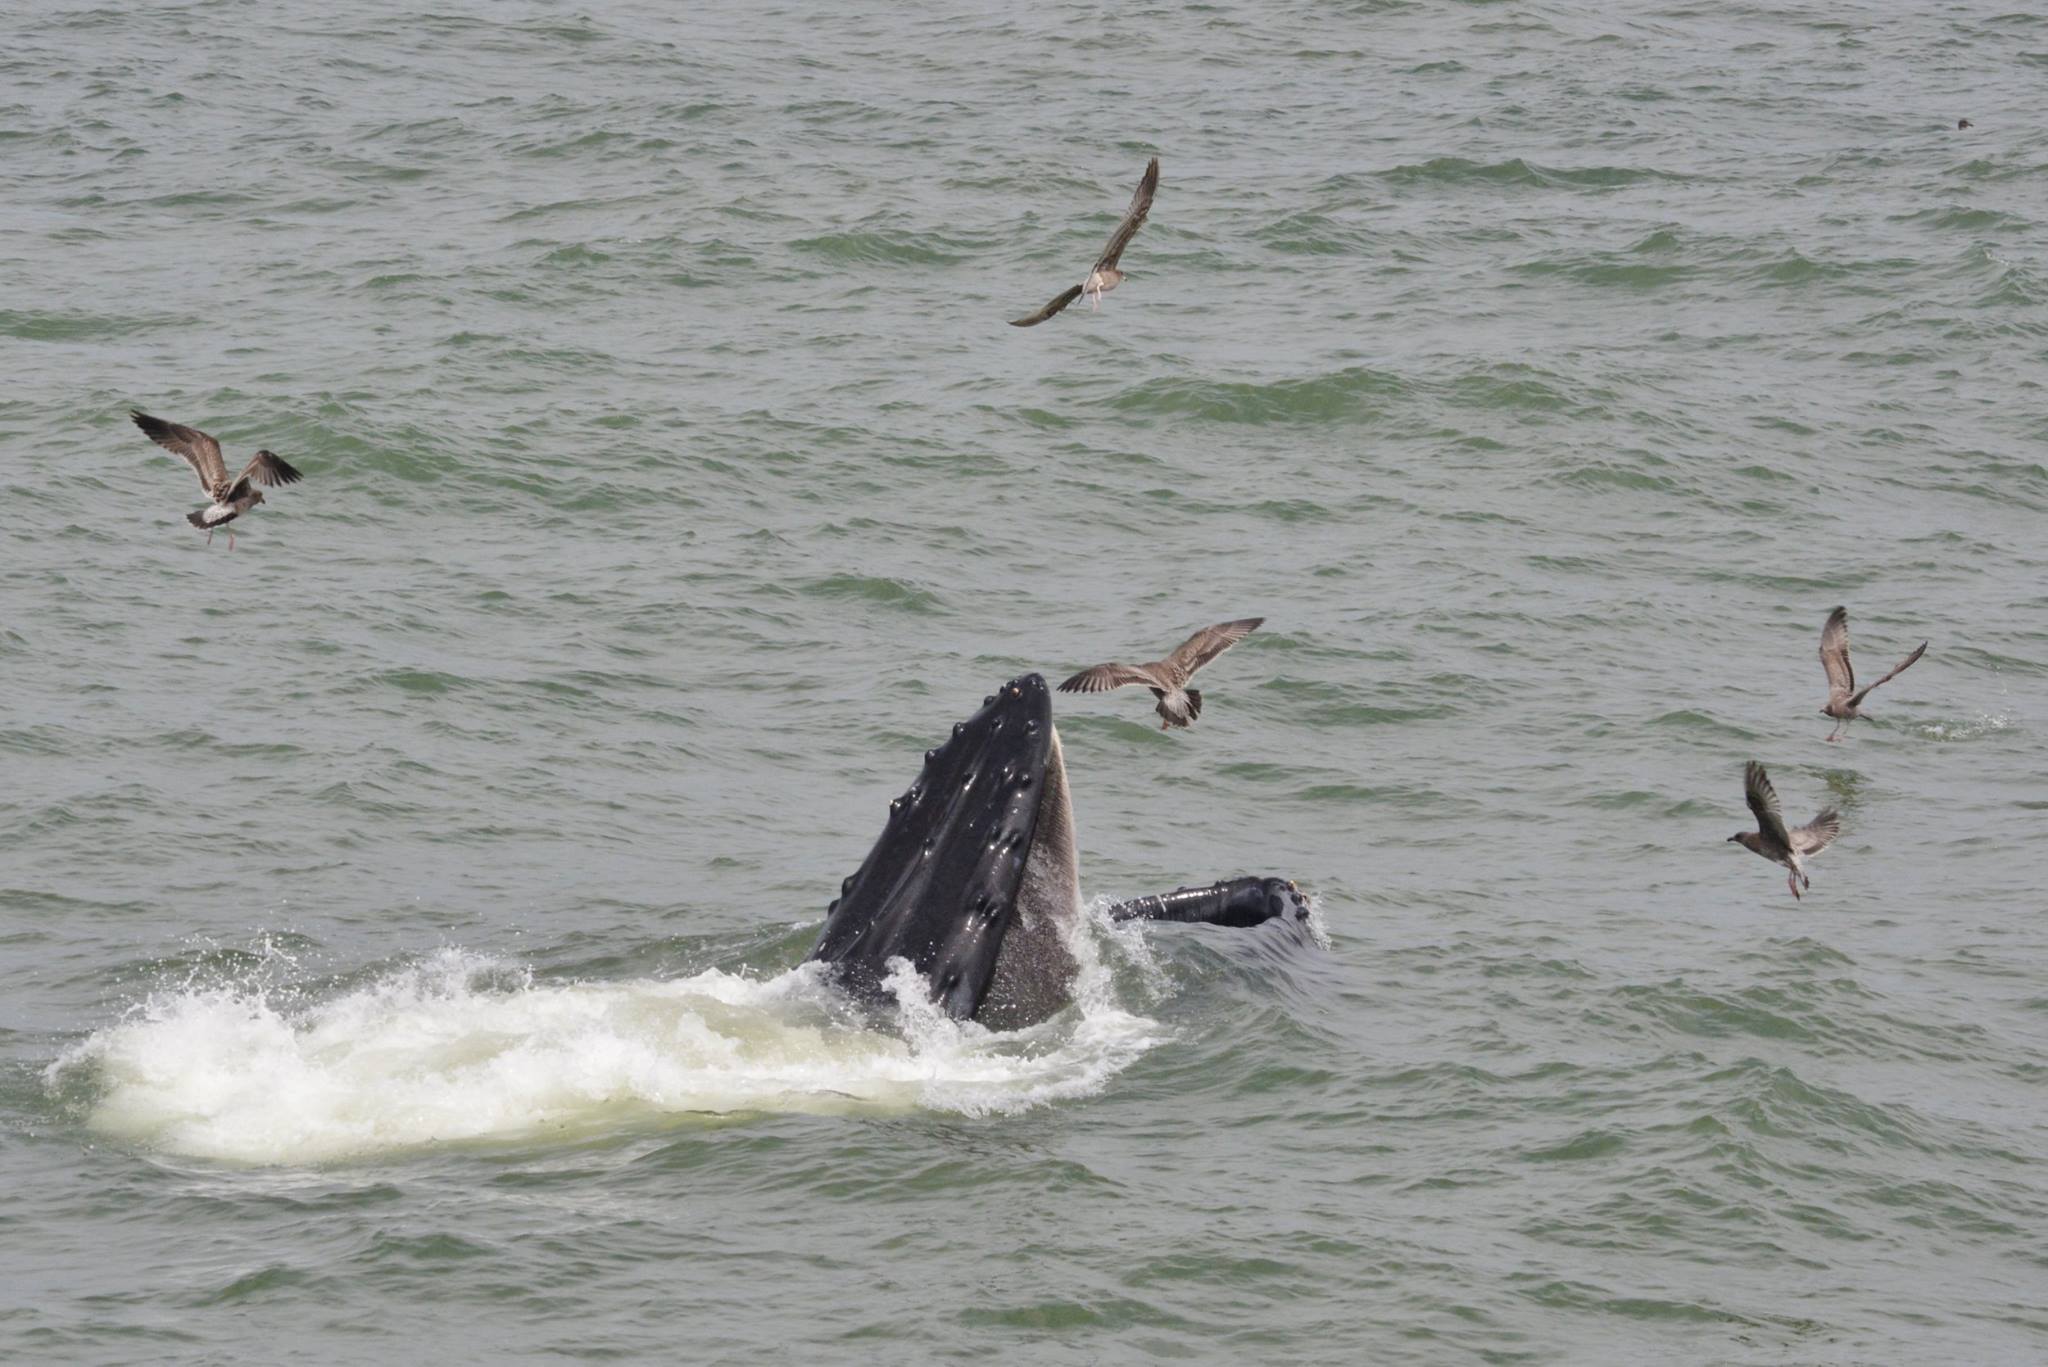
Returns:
<point x="401" y="915"/>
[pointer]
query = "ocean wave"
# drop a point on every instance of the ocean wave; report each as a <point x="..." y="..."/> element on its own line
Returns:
<point x="1340" y="396"/>
<point x="881" y="246"/>
<point x="1517" y="172"/>
<point x="873" y="589"/>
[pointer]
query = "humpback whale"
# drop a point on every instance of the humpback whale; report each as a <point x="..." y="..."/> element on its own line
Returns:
<point x="974" y="880"/>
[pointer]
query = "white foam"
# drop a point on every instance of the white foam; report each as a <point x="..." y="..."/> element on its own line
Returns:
<point x="1317" y="923"/>
<point x="447" y="1052"/>
<point x="1982" y="725"/>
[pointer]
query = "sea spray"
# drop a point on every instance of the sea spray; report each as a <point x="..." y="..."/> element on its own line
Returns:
<point x="462" y="1048"/>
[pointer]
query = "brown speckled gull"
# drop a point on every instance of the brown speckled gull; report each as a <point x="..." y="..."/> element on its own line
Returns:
<point x="1792" y="848"/>
<point x="1105" y="276"/>
<point x="231" y="497"/>
<point x="1844" y="697"/>
<point x="1168" y="678"/>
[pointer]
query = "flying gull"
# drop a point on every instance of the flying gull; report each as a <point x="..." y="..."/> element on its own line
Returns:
<point x="1168" y="678"/>
<point x="1844" y="697"/>
<point x="1791" y="848"/>
<point x="1105" y="276"/>
<point x="231" y="497"/>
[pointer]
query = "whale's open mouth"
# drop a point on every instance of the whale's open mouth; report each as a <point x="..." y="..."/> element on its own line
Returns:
<point x="973" y="879"/>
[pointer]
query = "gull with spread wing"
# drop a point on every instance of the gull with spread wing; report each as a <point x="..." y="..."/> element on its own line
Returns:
<point x="1793" y="847"/>
<point x="1105" y="276"/>
<point x="231" y="497"/>
<point x="1168" y="678"/>
<point x="1844" y="697"/>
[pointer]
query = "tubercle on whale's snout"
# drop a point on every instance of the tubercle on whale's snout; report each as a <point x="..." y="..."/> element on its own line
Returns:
<point x="1031" y="690"/>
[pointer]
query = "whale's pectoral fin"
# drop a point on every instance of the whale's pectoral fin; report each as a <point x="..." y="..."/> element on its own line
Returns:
<point x="1235" y="902"/>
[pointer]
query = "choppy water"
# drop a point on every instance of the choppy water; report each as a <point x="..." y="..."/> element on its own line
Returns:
<point x="400" y="912"/>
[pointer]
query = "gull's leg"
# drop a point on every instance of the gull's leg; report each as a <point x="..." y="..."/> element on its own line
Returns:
<point x="231" y="538"/>
<point x="1792" y="882"/>
<point x="209" y="536"/>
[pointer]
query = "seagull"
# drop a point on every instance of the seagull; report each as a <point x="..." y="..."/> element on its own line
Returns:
<point x="1105" y="276"/>
<point x="1791" y="848"/>
<point x="1843" y="695"/>
<point x="1178" y="704"/>
<point x="231" y="498"/>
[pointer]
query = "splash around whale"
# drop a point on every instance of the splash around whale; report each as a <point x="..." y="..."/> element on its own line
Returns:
<point x="962" y="936"/>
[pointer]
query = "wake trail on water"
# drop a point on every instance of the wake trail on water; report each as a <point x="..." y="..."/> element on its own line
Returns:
<point x="461" y="1047"/>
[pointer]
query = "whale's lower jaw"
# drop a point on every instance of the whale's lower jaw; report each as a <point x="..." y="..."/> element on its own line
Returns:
<point x="1035" y="967"/>
<point x="973" y="880"/>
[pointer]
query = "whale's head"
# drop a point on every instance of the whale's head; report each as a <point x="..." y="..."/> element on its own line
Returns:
<point x="973" y="880"/>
